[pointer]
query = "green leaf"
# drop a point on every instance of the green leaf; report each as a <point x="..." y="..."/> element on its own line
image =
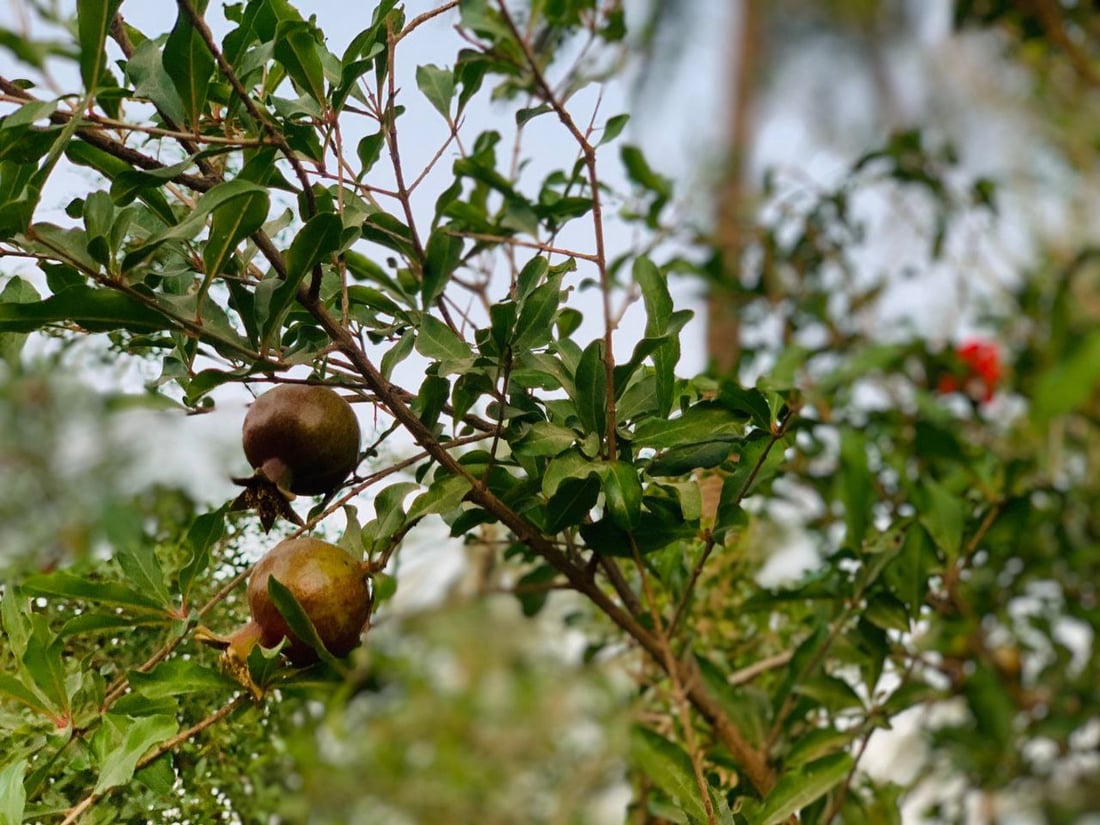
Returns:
<point x="389" y="516"/>
<point x="297" y="619"/>
<point x="190" y="226"/>
<point x="680" y="460"/>
<point x="831" y="693"/>
<point x="439" y="342"/>
<point x="591" y="389"/>
<point x="13" y="796"/>
<point x="798" y="788"/>
<point x="146" y="71"/>
<point x="1070" y="384"/>
<point x="142" y="734"/>
<point x="140" y="564"/>
<point x="319" y="238"/>
<point x="176" y="677"/>
<point x="530" y="113"/>
<point x="545" y="439"/>
<point x="205" y="532"/>
<point x="397" y="353"/>
<point x="442" y="257"/>
<point x="68" y="585"/>
<point x="44" y="664"/>
<point x="854" y="479"/>
<point x="438" y="85"/>
<point x="535" y="324"/>
<point x="659" y="309"/>
<point x="943" y="517"/>
<point x="760" y="457"/>
<point x="93" y="21"/>
<point x="13" y="689"/>
<point x="887" y="612"/>
<point x="15" y="619"/>
<point x="613" y="128"/>
<point x="190" y="66"/>
<point x="297" y="51"/>
<point x="445" y="494"/>
<point x="16" y="291"/>
<point x="369" y="151"/>
<point x="531" y="590"/>
<point x="669" y="766"/>
<point x="571" y="502"/>
<point x="705" y="422"/>
<point x="623" y="494"/>
<point x="746" y="400"/>
<point x="230" y="224"/>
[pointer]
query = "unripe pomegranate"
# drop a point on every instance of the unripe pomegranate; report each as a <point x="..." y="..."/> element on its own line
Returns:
<point x="329" y="585"/>
<point x="303" y="437"/>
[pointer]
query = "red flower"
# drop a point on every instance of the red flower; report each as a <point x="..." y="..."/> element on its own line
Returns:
<point x="978" y="373"/>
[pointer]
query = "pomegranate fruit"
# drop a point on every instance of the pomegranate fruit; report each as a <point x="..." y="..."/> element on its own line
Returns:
<point x="300" y="439"/>
<point x="326" y="581"/>
<point x="303" y="437"/>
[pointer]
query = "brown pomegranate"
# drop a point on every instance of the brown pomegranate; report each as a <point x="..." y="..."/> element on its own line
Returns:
<point x="304" y="438"/>
<point x="329" y="585"/>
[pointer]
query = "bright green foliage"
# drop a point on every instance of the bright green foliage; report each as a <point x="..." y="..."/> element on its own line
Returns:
<point x="265" y="228"/>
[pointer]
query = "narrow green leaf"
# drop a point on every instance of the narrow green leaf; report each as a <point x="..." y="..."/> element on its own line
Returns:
<point x="176" y="677"/>
<point x="613" y="128"/>
<point x="205" y="532"/>
<point x="702" y="423"/>
<point x="15" y="619"/>
<point x="68" y="585"/>
<point x="297" y="619"/>
<point x="680" y="460"/>
<point x="530" y="113"/>
<point x="854" y="480"/>
<point x="93" y="22"/>
<point x="1071" y="383"/>
<point x="438" y="85"/>
<point x="943" y="517"/>
<point x="297" y="51"/>
<point x="668" y="765"/>
<point x="397" y="353"/>
<point x="571" y="502"/>
<point x="195" y="221"/>
<point x="142" y="734"/>
<point x="43" y="663"/>
<point x="230" y="224"/>
<point x="369" y="151"/>
<point x="190" y="66"/>
<point x="16" y="291"/>
<point x="146" y="71"/>
<point x="13" y="689"/>
<point x="140" y="564"/>
<point x="389" y="509"/>
<point x="13" y="796"/>
<point x="319" y="238"/>
<point x="797" y="789"/>
<point x="535" y="325"/>
<point x="439" y="342"/>
<point x="623" y="494"/>
<point x="545" y="439"/>
<point x="659" y="310"/>
<point x="442" y="257"/>
<point x="591" y="389"/>
<point x="445" y="494"/>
